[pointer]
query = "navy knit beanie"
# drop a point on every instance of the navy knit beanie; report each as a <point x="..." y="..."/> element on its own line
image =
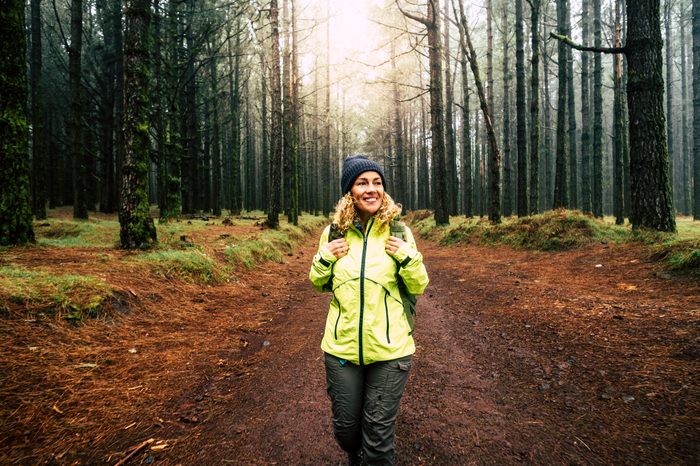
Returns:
<point x="353" y="167"/>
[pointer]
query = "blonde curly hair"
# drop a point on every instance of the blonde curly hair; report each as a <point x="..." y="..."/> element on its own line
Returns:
<point x="346" y="212"/>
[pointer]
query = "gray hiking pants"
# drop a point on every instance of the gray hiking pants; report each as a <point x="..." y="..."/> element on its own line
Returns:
<point x="365" y="402"/>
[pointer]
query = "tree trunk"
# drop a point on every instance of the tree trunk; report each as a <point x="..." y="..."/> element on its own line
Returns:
<point x="495" y="161"/>
<point x="561" y="188"/>
<point x="326" y="178"/>
<point x="450" y="143"/>
<point x="696" y="110"/>
<point x="571" y="114"/>
<point x="15" y="196"/>
<point x="432" y="25"/>
<point x="38" y="135"/>
<point x="652" y="205"/>
<point x="136" y="225"/>
<point x="521" y="115"/>
<point x="507" y="155"/>
<point x="215" y="136"/>
<point x="597" y="199"/>
<point x="668" y="20"/>
<point x="76" y="115"/>
<point x="466" y="161"/>
<point x="685" y="144"/>
<point x="293" y="123"/>
<point x="618" y="127"/>
<point x="118" y="100"/>
<point x="276" y="136"/>
<point x="535" y="107"/>
<point x="585" y="115"/>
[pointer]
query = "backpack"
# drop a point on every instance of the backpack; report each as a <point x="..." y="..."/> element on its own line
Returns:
<point x="397" y="229"/>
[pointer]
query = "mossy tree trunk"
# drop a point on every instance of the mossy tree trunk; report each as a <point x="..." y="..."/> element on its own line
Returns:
<point x="136" y="225"/>
<point x="15" y="198"/>
<point x="652" y="205"/>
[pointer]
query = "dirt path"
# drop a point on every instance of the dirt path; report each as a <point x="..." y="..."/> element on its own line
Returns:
<point x="584" y="357"/>
<point x="522" y="357"/>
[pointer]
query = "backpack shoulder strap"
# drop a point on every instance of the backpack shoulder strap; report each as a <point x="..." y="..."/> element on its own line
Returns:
<point x="334" y="233"/>
<point x="398" y="229"/>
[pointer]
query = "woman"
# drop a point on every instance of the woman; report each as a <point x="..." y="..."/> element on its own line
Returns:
<point x="367" y="339"/>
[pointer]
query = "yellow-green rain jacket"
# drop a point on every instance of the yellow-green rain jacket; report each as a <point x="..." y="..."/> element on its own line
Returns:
<point x="366" y="321"/>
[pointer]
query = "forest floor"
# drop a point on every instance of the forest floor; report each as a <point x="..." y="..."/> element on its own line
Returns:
<point x="589" y="356"/>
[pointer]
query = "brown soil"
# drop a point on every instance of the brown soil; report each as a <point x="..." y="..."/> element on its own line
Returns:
<point x="583" y="357"/>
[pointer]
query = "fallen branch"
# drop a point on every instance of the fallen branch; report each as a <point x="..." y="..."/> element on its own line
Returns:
<point x="134" y="450"/>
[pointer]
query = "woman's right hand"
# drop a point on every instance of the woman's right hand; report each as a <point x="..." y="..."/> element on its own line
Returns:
<point x="338" y="247"/>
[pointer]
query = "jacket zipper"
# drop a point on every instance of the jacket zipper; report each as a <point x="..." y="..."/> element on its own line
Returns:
<point x="365" y="234"/>
<point x="335" y="330"/>
<point x="386" y="310"/>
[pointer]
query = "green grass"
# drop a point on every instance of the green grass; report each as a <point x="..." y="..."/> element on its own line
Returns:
<point x="69" y="296"/>
<point x="190" y="265"/>
<point x="563" y="230"/>
<point x="270" y="245"/>
<point x="77" y="233"/>
<point x="551" y="231"/>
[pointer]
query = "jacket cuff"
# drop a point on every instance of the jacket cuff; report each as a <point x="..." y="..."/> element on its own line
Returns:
<point x="325" y="256"/>
<point x="405" y="254"/>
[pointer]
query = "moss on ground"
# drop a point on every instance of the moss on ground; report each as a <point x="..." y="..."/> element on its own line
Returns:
<point x="68" y="296"/>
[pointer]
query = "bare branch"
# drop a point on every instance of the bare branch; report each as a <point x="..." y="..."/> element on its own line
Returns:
<point x="583" y="48"/>
<point x="420" y="19"/>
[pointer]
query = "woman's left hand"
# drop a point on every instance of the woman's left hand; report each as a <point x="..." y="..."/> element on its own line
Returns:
<point x="393" y="244"/>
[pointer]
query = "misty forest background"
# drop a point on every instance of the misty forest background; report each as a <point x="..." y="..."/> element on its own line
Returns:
<point x="223" y="106"/>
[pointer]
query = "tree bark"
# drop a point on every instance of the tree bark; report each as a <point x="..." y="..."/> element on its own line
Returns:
<point x="586" y="205"/>
<point x="696" y="110"/>
<point x="15" y="196"/>
<point x="38" y="135"/>
<point x="535" y="107"/>
<point x="618" y="127"/>
<point x="561" y="188"/>
<point x="668" y="20"/>
<point x="521" y="115"/>
<point x="136" y="225"/>
<point x="80" y="210"/>
<point x="276" y="136"/>
<point x="571" y="114"/>
<point x="450" y="143"/>
<point x="495" y="161"/>
<point x="652" y="205"/>
<point x="432" y="25"/>
<point x="507" y="154"/>
<point x="597" y="198"/>
<point x="466" y="161"/>
<point x="685" y="144"/>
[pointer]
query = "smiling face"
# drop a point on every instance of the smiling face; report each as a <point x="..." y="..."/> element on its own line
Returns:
<point x="367" y="192"/>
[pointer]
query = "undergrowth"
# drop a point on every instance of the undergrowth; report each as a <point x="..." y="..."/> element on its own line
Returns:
<point x="191" y="265"/>
<point x="561" y="230"/>
<point x="69" y="296"/>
